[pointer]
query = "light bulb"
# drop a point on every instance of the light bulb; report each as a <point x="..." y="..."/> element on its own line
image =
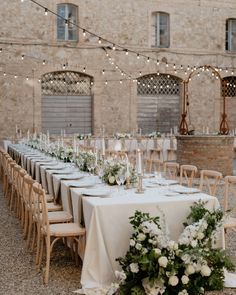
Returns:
<point x="99" y="40"/>
<point x="46" y="11"/>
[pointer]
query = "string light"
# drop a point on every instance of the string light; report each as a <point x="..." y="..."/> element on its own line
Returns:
<point x="46" y="12"/>
<point x="113" y="47"/>
<point x="27" y="78"/>
<point x="126" y="52"/>
<point x="158" y="62"/>
<point x="120" y="81"/>
<point x="138" y="56"/>
<point x="44" y="62"/>
<point x="0" y="50"/>
<point x="106" y="82"/>
<point x="148" y="59"/>
<point x="4" y="74"/>
<point x="99" y="40"/>
<point x="15" y="76"/>
<point x="91" y="33"/>
<point x="84" y="69"/>
<point x="103" y="72"/>
<point x="22" y="57"/>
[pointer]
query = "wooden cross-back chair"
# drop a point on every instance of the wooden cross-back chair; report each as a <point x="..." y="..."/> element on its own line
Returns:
<point x="187" y="174"/>
<point x="171" y="170"/>
<point x="209" y="181"/>
<point x="51" y="233"/>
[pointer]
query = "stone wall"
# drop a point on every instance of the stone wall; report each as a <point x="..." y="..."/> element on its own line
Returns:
<point x="197" y="37"/>
<point x="207" y="152"/>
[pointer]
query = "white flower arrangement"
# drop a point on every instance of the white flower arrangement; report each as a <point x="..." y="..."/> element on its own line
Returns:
<point x="154" y="134"/>
<point x="155" y="265"/>
<point x="115" y="168"/>
<point x="86" y="161"/>
<point x="122" y="135"/>
<point x="83" y="136"/>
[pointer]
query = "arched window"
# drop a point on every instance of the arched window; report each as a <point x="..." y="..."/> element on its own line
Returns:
<point x="230" y="38"/>
<point x="158" y="102"/>
<point x="228" y="87"/>
<point x="67" y="31"/>
<point x="66" y="102"/>
<point x="160" y="29"/>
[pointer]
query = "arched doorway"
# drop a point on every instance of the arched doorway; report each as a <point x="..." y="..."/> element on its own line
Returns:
<point x="158" y="106"/>
<point x="66" y="102"/>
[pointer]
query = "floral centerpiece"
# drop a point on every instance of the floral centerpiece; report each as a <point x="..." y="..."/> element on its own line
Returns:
<point x="86" y="161"/>
<point x="65" y="154"/>
<point x="122" y="135"/>
<point x="154" y="134"/>
<point x="83" y="136"/>
<point x="155" y="265"/>
<point x="115" y="168"/>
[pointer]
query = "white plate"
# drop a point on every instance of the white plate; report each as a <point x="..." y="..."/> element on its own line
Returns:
<point x="97" y="192"/>
<point x="81" y="183"/>
<point x="184" y="190"/>
<point x="162" y="181"/>
<point x="70" y="176"/>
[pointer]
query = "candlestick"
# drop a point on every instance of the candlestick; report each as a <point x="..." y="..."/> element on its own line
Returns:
<point x="103" y="146"/>
<point x="16" y="129"/>
<point x="28" y="135"/>
<point x="96" y="157"/>
<point x="139" y="162"/>
<point x="140" y="189"/>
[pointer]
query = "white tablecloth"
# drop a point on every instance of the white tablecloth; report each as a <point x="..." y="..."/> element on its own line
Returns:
<point x="107" y="220"/>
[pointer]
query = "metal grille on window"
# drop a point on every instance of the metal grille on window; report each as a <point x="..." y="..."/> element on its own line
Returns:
<point x="158" y="84"/>
<point x="228" y="87"/>
<point x="66" y="83"/>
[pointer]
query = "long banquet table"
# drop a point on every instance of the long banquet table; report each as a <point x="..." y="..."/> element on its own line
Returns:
<point x="106" y="218"/>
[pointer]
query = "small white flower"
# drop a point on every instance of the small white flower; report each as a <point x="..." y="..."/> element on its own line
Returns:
<point x="173" y="245"/>
<point x="183" y="292"/>
<point x="120" y="275"/>
<point x="163" y="261"/>
<point x="205" y="271"/>
<point x="141" y="237"/>
<point x="138" y="246"/>
<point x="194" y="243"/>
<point x="200" y="236"/>
<point x="186" y="258"/>
<point x="157" y="251"/>
<point x="132" y="243"/>
<point x="144" y="251"/>
<point x="134" y="267"/>
<point x="113" y="288"/>
<point x="173" y="281"/>
<point x="185" y="279"/>
<point x="190" y="270"/>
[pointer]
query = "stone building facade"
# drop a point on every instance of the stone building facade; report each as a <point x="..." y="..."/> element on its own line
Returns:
<point x="119" y="90"/>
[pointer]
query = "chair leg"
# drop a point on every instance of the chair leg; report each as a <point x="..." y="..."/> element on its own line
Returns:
<point x="48" y="254"/>
<point x="38" y="245"/>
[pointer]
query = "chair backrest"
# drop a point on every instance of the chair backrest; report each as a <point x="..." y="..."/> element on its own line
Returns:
<point x="40" y="206"/>
<point x="22" y="173"/>
<point x="187" y="174"/>
<point x="210" y="180"/>
<point x="27" y="186"/>
<point x="171" y="170"/>
<point x="229" y="190"/>
<point x="153" y="165"/>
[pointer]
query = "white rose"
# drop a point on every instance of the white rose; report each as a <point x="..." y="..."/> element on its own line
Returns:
<point x="173" y="280"/>
<point x="173" y="245"/>
<point x="200" y="236"/>
<point x="120" y="275"/>
<point x="205" y="271"/>
<point x="134" y="267"/>
<point x="163" y="261"/>
<point x="194" y="243"/>
<point x="190" y="270"/>
<point x="132" y="243"/>
<point x="185" y="280"/>
<point x="138" y="246"/>
<point x="157" y="251"/>
<point x="141" y="237"/>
